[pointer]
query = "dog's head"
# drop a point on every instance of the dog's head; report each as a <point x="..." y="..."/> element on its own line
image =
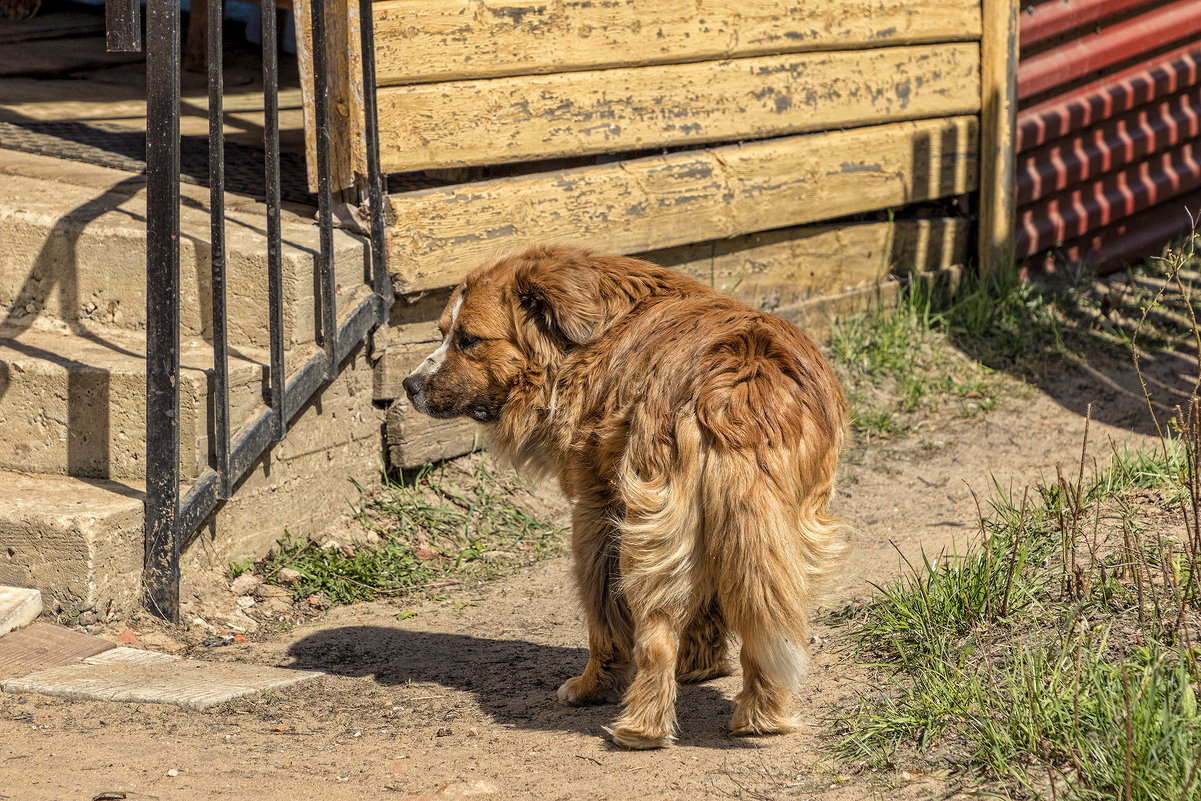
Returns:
<point x="511" y="321"/>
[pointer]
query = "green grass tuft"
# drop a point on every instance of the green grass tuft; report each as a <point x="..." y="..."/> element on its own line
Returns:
<point x="948" y="337"/>
<point x="1055" y="659"/>
<point x="442" y="527"/>
<point x="895" y="362"/>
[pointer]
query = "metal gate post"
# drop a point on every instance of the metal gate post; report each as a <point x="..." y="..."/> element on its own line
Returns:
<point x="161" y="575"/>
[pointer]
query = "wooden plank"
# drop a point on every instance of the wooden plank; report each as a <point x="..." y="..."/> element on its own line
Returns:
<point x="634" y="206"/>
<point x="776" y="269"/>
<point x="815" y="316"/>
<point x="471" y="123"/>
<point x="998" y="126"/>
<point x="195" y="52"/>
<point x="440" y="40"/>
<point x="345" y="85"/>
<point x="414" y="439"/>
<point x="410" y="335"/>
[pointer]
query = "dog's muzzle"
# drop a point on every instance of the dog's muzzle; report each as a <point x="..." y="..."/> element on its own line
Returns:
<point x="415" y="389"/>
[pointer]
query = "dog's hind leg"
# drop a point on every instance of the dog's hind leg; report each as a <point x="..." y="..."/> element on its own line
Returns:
<point x="661" y="547"/>
<point x="703" y="646"/>
<point x="610" y="632"/>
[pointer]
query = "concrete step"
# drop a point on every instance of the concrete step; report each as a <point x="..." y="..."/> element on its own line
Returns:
<point x="80" y="540"/>
<point x="19" y="606"/>
<point x="76" y="405"/>
<point x="77" y="540"/>
<point x="136" y="676"/>
<point x="73" y="247"/>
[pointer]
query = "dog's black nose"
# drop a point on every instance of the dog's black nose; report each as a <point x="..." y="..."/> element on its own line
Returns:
<point x="411" y="386"/>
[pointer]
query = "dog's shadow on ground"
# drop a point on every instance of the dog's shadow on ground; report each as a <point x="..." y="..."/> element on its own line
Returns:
<point x="513" y="681"/>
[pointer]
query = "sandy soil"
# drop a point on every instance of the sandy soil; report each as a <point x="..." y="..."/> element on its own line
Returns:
<point x="457" y="701"/>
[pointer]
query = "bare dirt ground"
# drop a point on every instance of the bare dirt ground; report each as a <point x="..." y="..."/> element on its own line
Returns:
<point x="457" y="700"/>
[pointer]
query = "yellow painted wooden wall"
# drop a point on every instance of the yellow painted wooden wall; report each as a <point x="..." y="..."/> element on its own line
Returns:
<point x="720" y="137"/>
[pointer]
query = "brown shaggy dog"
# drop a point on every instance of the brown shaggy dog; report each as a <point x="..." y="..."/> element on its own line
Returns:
<point x="697" y="439"/>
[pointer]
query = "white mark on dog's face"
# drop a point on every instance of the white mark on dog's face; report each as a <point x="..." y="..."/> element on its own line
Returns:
<point x="433" y="363"/>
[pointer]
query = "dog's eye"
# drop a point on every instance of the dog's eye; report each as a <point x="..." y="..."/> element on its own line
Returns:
<point x="465" y="341"/>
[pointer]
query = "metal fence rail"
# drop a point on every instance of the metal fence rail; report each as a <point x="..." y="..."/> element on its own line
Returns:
<point x="172" y="515"/>
<point x="1109" y="132"/>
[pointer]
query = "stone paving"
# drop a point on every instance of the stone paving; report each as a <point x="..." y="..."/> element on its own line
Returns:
<point x="52" y="660"/>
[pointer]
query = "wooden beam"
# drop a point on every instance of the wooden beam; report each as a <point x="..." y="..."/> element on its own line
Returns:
<point x="650" y="203"/>
<point x="411" y="438"/>
<point x="414" y="439"/>
<point x="776" y="269"/>
<point x="815" y="316"/>
<point x="472" y="123"/>
<point x="445" y="40"/>
<point x="998" y="125"/>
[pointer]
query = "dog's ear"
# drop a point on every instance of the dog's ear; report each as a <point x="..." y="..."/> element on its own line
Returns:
<point x="561" y="292"/>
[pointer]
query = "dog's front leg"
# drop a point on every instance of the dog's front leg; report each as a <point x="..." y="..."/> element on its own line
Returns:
<point x="610" y="633"/>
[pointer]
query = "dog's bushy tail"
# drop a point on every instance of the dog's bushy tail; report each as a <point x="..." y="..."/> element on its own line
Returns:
<point x="771" y="546"/>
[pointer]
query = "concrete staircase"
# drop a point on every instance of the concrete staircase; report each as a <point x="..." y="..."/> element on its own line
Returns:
<point x="72" y="382"/>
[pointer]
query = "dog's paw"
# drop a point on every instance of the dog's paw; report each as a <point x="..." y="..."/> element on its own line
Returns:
<point x="744" y="726"/>
<point x="626" y="737"/>
<point x="579" y="692"/>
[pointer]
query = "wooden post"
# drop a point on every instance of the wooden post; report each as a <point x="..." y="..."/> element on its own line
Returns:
<point x="345" y="86"/>
<point x="998" y="125"/>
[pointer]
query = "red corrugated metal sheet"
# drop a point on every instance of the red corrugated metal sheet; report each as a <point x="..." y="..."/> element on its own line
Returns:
<point x="1129" y="240"/>
<point x="1106" y="147"/>
<point x="1108" y="47"/>
<point x="1044" y="22"/>
<point x="1119" y="194"/>
<point x="1110" y="154"/>
<point x="1174" y="71"/>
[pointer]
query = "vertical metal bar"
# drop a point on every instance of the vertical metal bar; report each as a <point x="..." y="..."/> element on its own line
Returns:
<point x="161" y="575"/>
<point x="275" y="279"/>
<point x="381" y="281"/>
<point x="216" y="54"/>
<point x="123" y="26"/>
<point x="325" y="201"/>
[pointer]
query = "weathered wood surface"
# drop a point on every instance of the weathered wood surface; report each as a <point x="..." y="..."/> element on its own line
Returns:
<point x="816" y="316"/>
<point x="777" y="269"/>
<point x="468" y="123"/>
<point x="998" y="125"/>
<point x="344" y="67"/>
<point x="633" y="206"/>
<point x="410" y="335"/>
<point x="439" y="40"/>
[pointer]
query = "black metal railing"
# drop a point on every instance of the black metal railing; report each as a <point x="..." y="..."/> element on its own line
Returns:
<point x="173" y="516"/>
